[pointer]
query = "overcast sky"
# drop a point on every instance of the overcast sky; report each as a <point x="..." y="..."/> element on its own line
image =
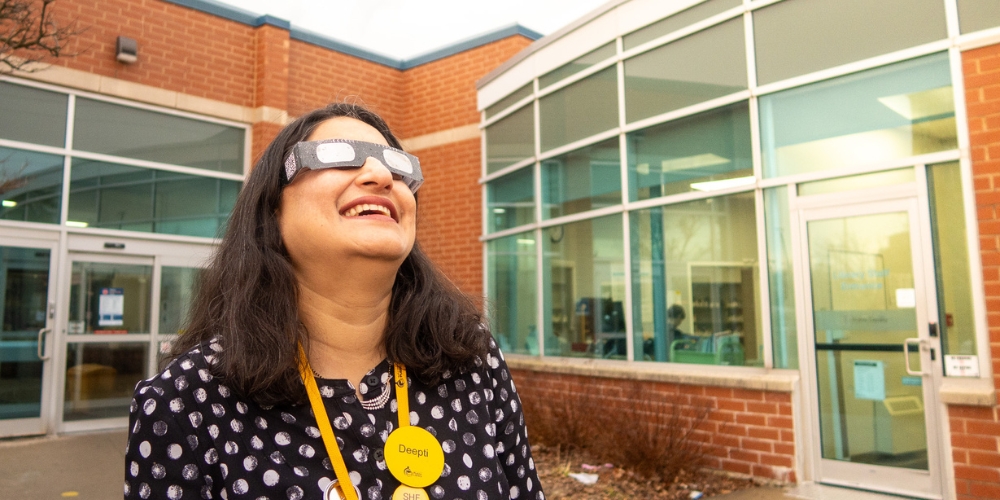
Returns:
<point x="403" y="29"/>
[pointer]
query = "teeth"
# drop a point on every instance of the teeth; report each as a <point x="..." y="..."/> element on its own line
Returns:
<point x="367" y="207"/>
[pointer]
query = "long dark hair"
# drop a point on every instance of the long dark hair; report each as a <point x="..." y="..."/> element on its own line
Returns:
<point x="247" y="297"/>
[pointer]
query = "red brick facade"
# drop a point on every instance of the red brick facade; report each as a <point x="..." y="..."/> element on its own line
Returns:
<point x="975" y="431"/>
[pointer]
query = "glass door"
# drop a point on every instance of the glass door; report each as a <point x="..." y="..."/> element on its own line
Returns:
<point x="108" y="334"/>
<point x="26" y="309"/>
<point x="874" y="357"/>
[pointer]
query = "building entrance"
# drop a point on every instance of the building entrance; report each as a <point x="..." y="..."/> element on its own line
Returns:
<point x="870" y="302"/>
<point x="27" y="313"/>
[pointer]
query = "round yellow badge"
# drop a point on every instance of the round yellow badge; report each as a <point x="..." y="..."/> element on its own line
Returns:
<point x="414" y="456"/>
<point x="409" y="493"/>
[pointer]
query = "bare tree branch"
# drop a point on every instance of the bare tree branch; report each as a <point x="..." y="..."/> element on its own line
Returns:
<point x="29" y="33"/>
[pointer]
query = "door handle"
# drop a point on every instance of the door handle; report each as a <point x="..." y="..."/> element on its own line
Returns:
<point x="906" y="354"/>
<point x="41" y="344"/>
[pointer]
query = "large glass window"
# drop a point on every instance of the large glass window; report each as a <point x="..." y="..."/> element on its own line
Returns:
<point x="580" y="110"/>
<point x="109" y="299"/>
<point x="957" y="323"/>
<point x="677" y="21"/>
<point x="582" y="180"/>
<point x="781" y="278"/>
<point x="177" y="288"/>
<point x="886" y="113"/>
<point x="703" y="152"/>
<point x="100" y="379"/>
<point x="975" y="15"/>
<point x="113" y="129"/>
<point x="695" y="282"/>
<point x="511" y="139"/>
<point x="115" y="196"/>
<point x="679" y="74"/>
<point x="508" y="101"/>
<point x="30" y="186"/>
<point x="577" y="65"/>
<point x="584" y="282"/>
<point x="511" y="200"/>
<point x="796" y="37"/>
<point x="32" y="115"/>
<point x="513" y="302"/>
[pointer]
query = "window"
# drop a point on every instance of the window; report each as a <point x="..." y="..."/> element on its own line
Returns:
<point x="677" y="21"/>
<point x="584" y="282"/>
<point x="703" y="152"/>
<point x="511" y="263"/>
<point x="102" y="127"/>
<point x="582" y="180"/>
<point x="577" y="65"/>
<point x="695" y="282"/>
<point x="511" y="200"/>
<point x="975" y="15"/>
<point x="511" y="139"/>
<point x="30" y="186"/>
<point x="895" y="111"/>
<point x="32" y="115"/>
<point x="796" y="37"/>
<point x="781" y="278"/>
<point x="580" y="110"/>
<point x="177" y="288"/>
<point x="508" y="101"/>
<point x="679" y="74"/>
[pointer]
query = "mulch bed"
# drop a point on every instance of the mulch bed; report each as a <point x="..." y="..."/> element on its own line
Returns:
<point x="554" y="466"/>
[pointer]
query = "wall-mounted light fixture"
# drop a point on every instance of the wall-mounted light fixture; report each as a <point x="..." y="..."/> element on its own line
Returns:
<point x="127" y="50"/>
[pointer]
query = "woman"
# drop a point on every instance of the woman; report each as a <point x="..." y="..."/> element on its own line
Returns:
<point x="318" y="323"/>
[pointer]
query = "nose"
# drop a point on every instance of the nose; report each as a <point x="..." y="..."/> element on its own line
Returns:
<point x="375" y="174"/>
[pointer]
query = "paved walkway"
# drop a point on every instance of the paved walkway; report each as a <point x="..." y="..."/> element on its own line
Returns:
<point x="91" y="467"/>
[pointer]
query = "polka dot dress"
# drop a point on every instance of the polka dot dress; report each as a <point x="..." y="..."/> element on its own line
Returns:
<point x="191" y="437"/>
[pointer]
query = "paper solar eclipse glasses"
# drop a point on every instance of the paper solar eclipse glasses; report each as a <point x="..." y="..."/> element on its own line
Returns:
<point x="345" y="153"/>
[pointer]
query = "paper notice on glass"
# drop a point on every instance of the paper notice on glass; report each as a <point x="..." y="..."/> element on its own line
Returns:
<point x="961" y="366"/>
<point x="906" y="297"/>
<point x="111" y="307"/>
<point x="869" y="380"/>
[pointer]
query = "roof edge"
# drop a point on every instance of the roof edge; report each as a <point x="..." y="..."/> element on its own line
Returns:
<point x="546" y="40"/>
<point x="255" y="20"/>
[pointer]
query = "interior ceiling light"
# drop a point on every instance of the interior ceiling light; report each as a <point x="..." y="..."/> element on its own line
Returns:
<point x="723" y="184"/>
<point x="923" y="104"/>
<point x="9" y="203"/>
<point x="689" y="162"/>
<point x="74" y="223"/>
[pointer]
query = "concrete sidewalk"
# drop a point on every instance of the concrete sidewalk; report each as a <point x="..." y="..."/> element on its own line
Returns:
<point x="91" y="467"/>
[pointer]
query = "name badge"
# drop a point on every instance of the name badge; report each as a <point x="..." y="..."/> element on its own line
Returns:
<point x="414" y="457"/>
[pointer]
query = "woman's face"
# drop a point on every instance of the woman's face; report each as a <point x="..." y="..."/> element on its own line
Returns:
<point x="343" y="213"/>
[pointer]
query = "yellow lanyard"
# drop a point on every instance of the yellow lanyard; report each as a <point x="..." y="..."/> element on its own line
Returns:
<point x="326" y="430"/>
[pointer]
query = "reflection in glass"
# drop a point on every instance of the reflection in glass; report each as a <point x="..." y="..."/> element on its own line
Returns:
<point x="695" y="283"/>
<point x="109" y="298"/>
<point x="694" y="153"/>
<point x="678" y="74"/>
<point x="511" y="139"/>
<point x="861" y="273"/>
<point x="577" y="65"/>
<point x="511" y="263"/>
<point x="100" y="379"/>
<point x="891" y="112"/>
<point x="103" y="127"/>
<point x="115" y="196"/>
<point x="511" y="200"/>
<point x="781" y="278"/>
<point x="677" y="21"/>
<point x="24" y="285"/>
<point x="855" y="182"/>
<point x="584" y="281"/>
<point x="177" y="288"/>
<point x="30" y="186"/>
<point x="580" y="110"/>
<point x="582" y="180"/>
<point x="32" y="115"/>
<point x="796" y="37"/>
<point x="976" y="15"/>
<point x="956" y="324"/>
<point x="508" y="101"/>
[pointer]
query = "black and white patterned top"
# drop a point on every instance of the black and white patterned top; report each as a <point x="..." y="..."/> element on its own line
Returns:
<point x="191" y="437"/>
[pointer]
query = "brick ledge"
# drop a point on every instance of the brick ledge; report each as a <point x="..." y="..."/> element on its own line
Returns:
<point x="719" y="376"/>
<point x="968" y="391"/>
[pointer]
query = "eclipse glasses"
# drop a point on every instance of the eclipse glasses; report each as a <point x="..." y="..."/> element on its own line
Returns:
<point x="345" y="153"/>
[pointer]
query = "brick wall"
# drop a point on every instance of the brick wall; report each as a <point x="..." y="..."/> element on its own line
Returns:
<point x="747" y="431"/>
<point x="975" y="431"/>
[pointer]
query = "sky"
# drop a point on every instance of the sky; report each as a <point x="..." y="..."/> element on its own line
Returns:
<point x="404" y="29"/>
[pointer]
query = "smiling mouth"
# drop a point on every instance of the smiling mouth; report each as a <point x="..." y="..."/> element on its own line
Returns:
<point x="367" y="209"/>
